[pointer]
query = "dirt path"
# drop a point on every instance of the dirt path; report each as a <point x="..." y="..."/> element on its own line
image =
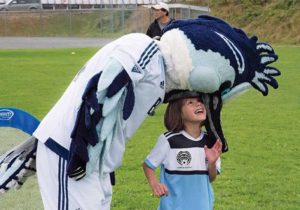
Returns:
<point x="51" y="42"/>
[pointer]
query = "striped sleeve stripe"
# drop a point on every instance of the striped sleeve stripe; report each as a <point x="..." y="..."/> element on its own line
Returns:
<point x="149" y="164"/>
<point x="149" y="57"/>
<point x="63" y="197"/>
<point x="150" y="50"/>
<point x="168" y="133"/>
<point x="145" y="55"/>
<point x="171" y="134"/>
<point x="146" y="50"/>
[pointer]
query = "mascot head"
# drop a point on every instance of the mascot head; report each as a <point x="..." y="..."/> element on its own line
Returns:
<point x="209" y="56"/>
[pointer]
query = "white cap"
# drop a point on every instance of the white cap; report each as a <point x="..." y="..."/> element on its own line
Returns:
<point x="161" y="5"/>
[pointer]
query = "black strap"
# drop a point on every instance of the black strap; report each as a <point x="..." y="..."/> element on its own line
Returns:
<point x="112" y="178"/>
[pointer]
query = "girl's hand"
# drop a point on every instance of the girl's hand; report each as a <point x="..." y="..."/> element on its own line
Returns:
<point x="213" y="153"/>
<point x="159" y="189"/>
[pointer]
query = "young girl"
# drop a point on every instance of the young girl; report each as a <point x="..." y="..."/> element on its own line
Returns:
<point x="189" y="160"/>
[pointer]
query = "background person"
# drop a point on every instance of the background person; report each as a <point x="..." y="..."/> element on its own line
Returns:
<point x="189" y="160"/>
<point x="162" y="19"/>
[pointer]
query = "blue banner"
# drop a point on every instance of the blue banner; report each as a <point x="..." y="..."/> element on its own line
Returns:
<point x="16" y="118"/>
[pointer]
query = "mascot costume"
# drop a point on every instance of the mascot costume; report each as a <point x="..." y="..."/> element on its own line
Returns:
<point x="82" y="139"/>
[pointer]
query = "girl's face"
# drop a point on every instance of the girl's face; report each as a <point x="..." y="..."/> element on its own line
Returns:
<point x="193" y="111"/>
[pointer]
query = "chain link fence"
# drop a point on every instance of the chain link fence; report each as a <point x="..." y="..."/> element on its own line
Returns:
<point x="107" y="22"/>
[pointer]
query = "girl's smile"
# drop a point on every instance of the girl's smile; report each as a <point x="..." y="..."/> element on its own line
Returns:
<point x="193" y="110"/>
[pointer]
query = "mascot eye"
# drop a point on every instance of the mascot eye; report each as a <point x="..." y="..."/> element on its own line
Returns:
<point x="224" y="92"/>
<point x="225" y="87"/>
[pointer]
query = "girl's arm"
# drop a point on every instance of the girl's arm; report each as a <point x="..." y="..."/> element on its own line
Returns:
<point x="157" y="188"/>
<point x="212" y="156"/>
<point x="212" y="172"/>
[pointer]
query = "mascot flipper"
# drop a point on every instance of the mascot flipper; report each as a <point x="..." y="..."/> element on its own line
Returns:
<point x="108" y="102"/>
<point x="123" y="82"/>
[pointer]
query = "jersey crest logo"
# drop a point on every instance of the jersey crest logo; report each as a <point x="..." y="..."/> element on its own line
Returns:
<point x="184" y="158"/>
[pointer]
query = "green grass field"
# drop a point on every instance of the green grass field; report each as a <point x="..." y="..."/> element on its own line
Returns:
<point x="261" y="171"/>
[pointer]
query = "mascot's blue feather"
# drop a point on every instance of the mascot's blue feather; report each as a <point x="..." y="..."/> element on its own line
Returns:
<point x="111" y="103"/>
<point x="267" y="59"/>
<point x="119" y="82"/>
<point x="92" y="110"/>
<point x="85" y="134"/>
<point x="92" y="85"/>
<point x="111" y="86"/>
<point x="112" y="69"/>
<point x="271" y="71"/>
<point x="108" y="124"/>
<point x="94" y="154"/>
<point x="104" y="151"/>
<point x="101" y="95"/>
<point x="129" y="102"/>
<point x="264" y="47"/>
<point x="79" y="149"/>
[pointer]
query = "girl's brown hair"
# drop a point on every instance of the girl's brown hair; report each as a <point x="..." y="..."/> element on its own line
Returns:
<point x="172" y="119"/>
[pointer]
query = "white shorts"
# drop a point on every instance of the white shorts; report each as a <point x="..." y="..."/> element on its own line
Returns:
<point x="63" y="193"/>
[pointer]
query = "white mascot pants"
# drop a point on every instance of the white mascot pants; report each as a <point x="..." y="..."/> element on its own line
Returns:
<point x="63" y="193"/>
